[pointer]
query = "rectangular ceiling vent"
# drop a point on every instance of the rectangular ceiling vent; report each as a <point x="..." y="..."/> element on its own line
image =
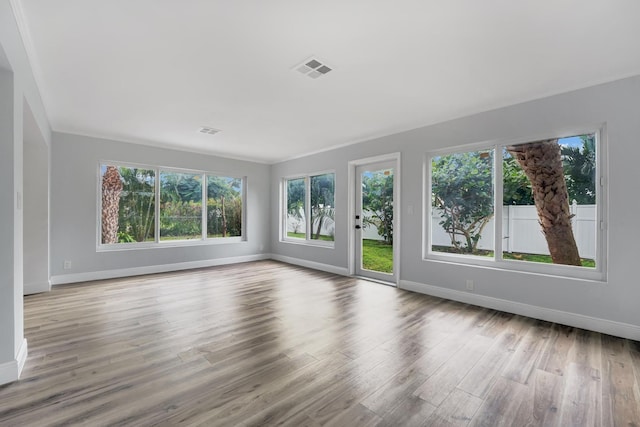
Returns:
<point x="313" y="68"/>
<point x="208" y="131"/>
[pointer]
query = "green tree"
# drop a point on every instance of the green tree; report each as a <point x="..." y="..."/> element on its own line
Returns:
<point x="296" y="198"/>
<point x="136" y="216"/>
<point x="462" y="189"/>
<point x="180" y="204"/>
<point x="516" y="185"/>
<point x="224" y="206"/>
<point x="322" y="200"/>
<point x="377" y="201"/>
<point x="580" y="170"/>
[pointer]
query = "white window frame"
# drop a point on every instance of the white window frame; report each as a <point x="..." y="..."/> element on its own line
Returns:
<point x="307" y="209"/>
<point x="599" y="273"/>
<point x="157" y="243"/>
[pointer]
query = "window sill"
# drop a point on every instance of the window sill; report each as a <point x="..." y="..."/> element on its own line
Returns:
<point x="538" y="269"/>
<point x="312" y="243"/>
<point x="168" y="244"/>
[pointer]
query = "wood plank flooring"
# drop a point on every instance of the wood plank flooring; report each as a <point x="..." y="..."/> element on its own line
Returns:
<point x="267" y="343"/>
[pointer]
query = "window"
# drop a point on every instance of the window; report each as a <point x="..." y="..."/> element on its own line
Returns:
<point x="128" y="204"/>
<point x="224" y="207"/>
<point x="180" y="206"/>
<point x="129" y="215"/>
<point x="308" y="214"/>
<point x="548" y="196"/>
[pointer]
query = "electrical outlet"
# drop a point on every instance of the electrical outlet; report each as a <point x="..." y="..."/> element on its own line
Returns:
<point x="67" y="265"/>
<point x="469" y="285"/>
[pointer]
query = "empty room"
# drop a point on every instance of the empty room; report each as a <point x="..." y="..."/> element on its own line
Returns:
<point x="343" y="213"/>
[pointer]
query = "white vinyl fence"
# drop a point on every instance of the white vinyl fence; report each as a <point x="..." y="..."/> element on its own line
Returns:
<point x="520" y="229"/>
<point x="522" y="232"/>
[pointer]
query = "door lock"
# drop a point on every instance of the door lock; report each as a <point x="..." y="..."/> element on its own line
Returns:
<point x="358" y="227"/>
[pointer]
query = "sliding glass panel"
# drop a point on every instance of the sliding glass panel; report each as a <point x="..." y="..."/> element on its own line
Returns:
<point x="549" y="212"/>
<point x="322" y="207"/>
<point x="128" y="204"/>
<point x="224" y="207"/>
<point x="296" y="224"/>
<point x="180" y="206"/>
<point x="463" y="203"/>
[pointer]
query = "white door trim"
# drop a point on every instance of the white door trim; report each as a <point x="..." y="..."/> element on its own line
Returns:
<point x="351" y="244"/>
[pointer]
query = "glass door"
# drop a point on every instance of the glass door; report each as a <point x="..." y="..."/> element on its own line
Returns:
<point x="374" y="221"/>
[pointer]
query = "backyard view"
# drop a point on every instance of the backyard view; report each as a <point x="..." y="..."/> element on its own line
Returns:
<point x="129" y="196"/>
<point x="548" y="201"/>
<point x="321" y="193"/>
<point x="377" y="220"/>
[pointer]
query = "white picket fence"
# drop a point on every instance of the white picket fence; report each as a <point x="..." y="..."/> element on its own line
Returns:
<point x="521" y="231"/>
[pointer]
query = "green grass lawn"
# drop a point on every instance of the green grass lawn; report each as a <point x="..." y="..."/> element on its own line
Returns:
<point x="586" y="262"/>
<point x="377" y="256"/>
<point x="302" y="236"/>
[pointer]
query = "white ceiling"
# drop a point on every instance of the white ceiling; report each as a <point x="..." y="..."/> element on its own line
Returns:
<point x="154" y="71"/>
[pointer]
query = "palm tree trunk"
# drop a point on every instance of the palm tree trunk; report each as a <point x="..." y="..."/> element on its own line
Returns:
<point x="111" y="189"/>
<point x="542" y="163"/>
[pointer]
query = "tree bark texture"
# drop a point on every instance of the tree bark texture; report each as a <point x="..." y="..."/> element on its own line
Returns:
<point x="111" y="189"/>
<point x="542" y="163"/>
<point x="224" y="217"/>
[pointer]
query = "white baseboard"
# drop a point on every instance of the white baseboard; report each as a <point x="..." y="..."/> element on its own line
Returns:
<point x="151" y="269"/>
<point x="311" y="264"/>
<point x="605" y="326"/>
<point x="10" y="371"/>
<point x="36" y="288"/>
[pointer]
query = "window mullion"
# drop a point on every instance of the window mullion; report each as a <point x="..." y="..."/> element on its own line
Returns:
<point x="307" y="204"/>
<point x="497" y="209"/>
<point x="204" y="216"/>
<point x="157" y="206"/>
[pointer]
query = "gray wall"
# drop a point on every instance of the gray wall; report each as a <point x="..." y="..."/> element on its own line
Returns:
<point x="617" y="104"/>
<point x="17" y="91"/>
<point x="74" y="184"/>
<point x="35" y="208"/>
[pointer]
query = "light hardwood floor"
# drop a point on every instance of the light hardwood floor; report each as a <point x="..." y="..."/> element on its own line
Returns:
<point x="267" y="343"/>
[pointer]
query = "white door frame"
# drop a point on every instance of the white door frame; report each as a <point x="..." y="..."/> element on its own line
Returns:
<point x="391" y="157"/>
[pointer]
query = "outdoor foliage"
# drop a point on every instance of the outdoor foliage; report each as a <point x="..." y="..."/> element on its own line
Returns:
<point x="295" y="204"/>
<point x="322" y="200"/>
<point x="377" y="201"/>
<point x="224" y="207"/>
<point x="180" y="205"/>
<point x="580" y="170"/>
<point x="516" y="186"/>
<point x="462" y="189"/>
<point x="322" y="197"/>
<point x="136" y="215"/>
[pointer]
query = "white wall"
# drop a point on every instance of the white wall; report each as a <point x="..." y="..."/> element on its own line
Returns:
<point x="17" y="89"/>
<point x="36" y="208"/>
<point x="611" y="305"/>
<point x="74" y="217"/>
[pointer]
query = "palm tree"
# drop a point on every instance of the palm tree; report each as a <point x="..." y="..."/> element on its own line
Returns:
<point x="111" y="189"/>
<point x="541" y="161"/>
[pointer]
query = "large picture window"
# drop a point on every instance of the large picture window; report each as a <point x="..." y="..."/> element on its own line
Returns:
<point x="308" y="213"/>
<point x="142" y="206"/>
<point x="532" y="205"/>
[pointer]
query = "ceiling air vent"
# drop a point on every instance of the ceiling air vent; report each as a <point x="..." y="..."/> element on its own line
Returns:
<point x="313" y="68"/>
<point x="208" y="131"/>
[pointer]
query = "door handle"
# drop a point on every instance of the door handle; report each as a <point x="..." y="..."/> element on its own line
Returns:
<point x="358" y="227"/>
